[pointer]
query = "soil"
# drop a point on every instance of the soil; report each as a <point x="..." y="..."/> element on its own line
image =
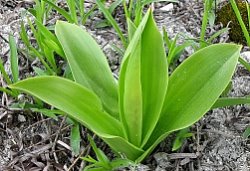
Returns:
<point x="31" y="141"/>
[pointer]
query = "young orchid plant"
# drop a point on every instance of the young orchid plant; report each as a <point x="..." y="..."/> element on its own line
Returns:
<point x="136" y="113"/>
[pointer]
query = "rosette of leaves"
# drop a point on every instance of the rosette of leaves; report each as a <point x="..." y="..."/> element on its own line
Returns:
<point x="134" y="114"/>
<point x="226" y="15"/>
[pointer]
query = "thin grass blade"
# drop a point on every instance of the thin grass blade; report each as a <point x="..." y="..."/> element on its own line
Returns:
<point x="61" y="11"/>
<point x="230" y="101"/>
<point x="72" y="9"/>
<point x="240" y="20"/>
<point x="112" y="21"/>
<point x="13" y="59"/>
<point x="4" y="73"/>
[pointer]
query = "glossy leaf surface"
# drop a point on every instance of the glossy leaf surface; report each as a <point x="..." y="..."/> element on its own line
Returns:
<point x="74" y="99"/>
<point x="195" y="86"/>
<point x="144" y="82"/>
<point x="88" y="64"/>
<point x="151" y="105"/>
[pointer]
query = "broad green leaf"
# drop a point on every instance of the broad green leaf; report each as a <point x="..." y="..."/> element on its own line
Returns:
<point x="154" y="76"/>
<point x="131" y="47"/>
<point x="83" y="106"/>
<point x="74" y="99"/>
<point x="136" y="37"/>
<point x="145" y="82"/>
<point x="132" y="106"/>
<point x="211" y="18"/>
<point x="88" y="64"/>
<point x="194" y="87"/>
<point x="130" y="99"/>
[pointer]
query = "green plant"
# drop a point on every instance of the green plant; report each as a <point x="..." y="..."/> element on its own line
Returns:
<point x="181" y="136"/>
<point x="47" y="48"/>
<point x="133" y="12"/>
<point x="70" y="16"/>
<point x="13" y="78"/>
<point x="146" y="105"/>
<point x="14" y="68"/>
<point x="103" y="163"/>
<point x="112" y="21"/>
<point x="239" y="14"/>
<point x="173" y="49"/>
<point x="196" y="43"/>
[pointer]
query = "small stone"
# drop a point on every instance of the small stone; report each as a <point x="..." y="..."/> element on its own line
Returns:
<point x="246" y="55"/>
<point x="167" y="8"/>
<point x="162" y="160"/>
<point x="21" y="118"/>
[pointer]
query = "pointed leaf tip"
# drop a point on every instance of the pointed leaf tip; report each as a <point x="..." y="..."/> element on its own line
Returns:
<point x="88" y="64"/>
